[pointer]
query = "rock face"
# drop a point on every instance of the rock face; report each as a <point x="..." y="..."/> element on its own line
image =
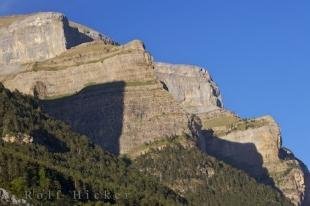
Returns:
<point x="117" y="95"/>
<point x="85" y="65"/>
<point x="307" y="196"/>
<point x="123" y="105"/>
<point x="252" y="145"/>
<point x="190" y="86"/>
<point x="255" y="147"/>
<point x="121" y="117"/>
<point x="40" y="36"/>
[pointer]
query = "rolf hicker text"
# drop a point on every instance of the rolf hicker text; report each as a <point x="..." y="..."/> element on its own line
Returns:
<point x="75" y="194"/>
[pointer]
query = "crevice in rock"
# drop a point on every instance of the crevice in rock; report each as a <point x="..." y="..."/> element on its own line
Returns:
<point x="164" y="86"/>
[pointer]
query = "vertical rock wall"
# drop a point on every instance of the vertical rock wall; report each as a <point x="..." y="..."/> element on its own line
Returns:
<point x="41" y="36"/>
<point x="190" y="86"/>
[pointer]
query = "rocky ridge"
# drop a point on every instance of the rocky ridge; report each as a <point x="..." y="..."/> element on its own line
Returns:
<point x="253" y="145"/>
<point x="125" y="97"/>
<point x="136" y="108"/>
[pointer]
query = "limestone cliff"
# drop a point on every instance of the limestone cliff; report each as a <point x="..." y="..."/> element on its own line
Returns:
<point x="118" y="96"/>
<point x="190" y="86"/>
<point x="40" y="36"/>
<point x="251" y="145"/>
<point x="255" y="147"/>
<point x="123" y="105"/>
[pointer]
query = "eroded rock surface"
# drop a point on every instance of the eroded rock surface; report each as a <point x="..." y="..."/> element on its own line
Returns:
<point x="40" y="36"/>
<point x="191" y="86"/>
<point x="255" y="147"/>
<point x="251" y="145"/>
<point x="85" y="65"/>
<point x="124" y="105"/>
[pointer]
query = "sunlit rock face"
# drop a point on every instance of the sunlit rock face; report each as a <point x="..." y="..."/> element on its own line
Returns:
<point x="251" y="145"/>
<point x="108" y="92"/>
<point x="191" y="86"/>
<point x="87" y="64"/>
<point x="40" y="36"/>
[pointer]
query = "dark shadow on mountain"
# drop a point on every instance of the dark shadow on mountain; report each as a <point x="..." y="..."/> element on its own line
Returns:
<point x="96" y="111"/>
<point x="307" y="197"/>
<point x="49" y="141"/>
<point x="243" y="156"/>
<point x="305" y="169"/>
<point x="73" y="36"/>
<point x="306" y="201"/>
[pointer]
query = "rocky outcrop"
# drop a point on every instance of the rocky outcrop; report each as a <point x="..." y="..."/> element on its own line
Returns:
<point x="255" y="147"/>
<point x="123" y="106"/>
<point x="121" y="117"/>
<point x="40" y="36"/>
<point x="251" y="145"/>
<point x="95" y="35"/>
<point x="88" y="64"/>
<point x="191" y="86"/>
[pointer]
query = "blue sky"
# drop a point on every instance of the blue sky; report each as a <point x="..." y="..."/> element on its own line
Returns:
<point x="257" y="51"/>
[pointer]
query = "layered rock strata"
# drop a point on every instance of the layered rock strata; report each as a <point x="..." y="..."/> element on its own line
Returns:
<point x="116" y="95"/>
<point x="254" y="145"/>
<point x="40" y="36"/>
<point x="191" y="86"/>
<point x="123" y="105"/>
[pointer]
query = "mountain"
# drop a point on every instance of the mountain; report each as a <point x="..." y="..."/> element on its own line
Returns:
<point x="128" y="104"/>
<point x="253" y="145"/>
<point x="42" y="156"/>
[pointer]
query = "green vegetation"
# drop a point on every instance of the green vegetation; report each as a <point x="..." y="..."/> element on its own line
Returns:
<point x="184" y="140"/>
<point x="222" y="120"/>
<point x="109" y="85"/>
<point x="232" y="123"/>
<point x="203" y="180"/>
<point x="80" y="55"/>
<point x="60" y="160"/>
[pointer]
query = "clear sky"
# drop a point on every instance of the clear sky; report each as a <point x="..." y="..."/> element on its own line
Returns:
<point x="257" y="51"/>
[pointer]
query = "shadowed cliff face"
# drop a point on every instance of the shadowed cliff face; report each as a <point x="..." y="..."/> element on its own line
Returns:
<point x="244" y="156"/>
<point x="307" y="180"/>
<point x="255" y="147"/>
<point x="96" y="111"/>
